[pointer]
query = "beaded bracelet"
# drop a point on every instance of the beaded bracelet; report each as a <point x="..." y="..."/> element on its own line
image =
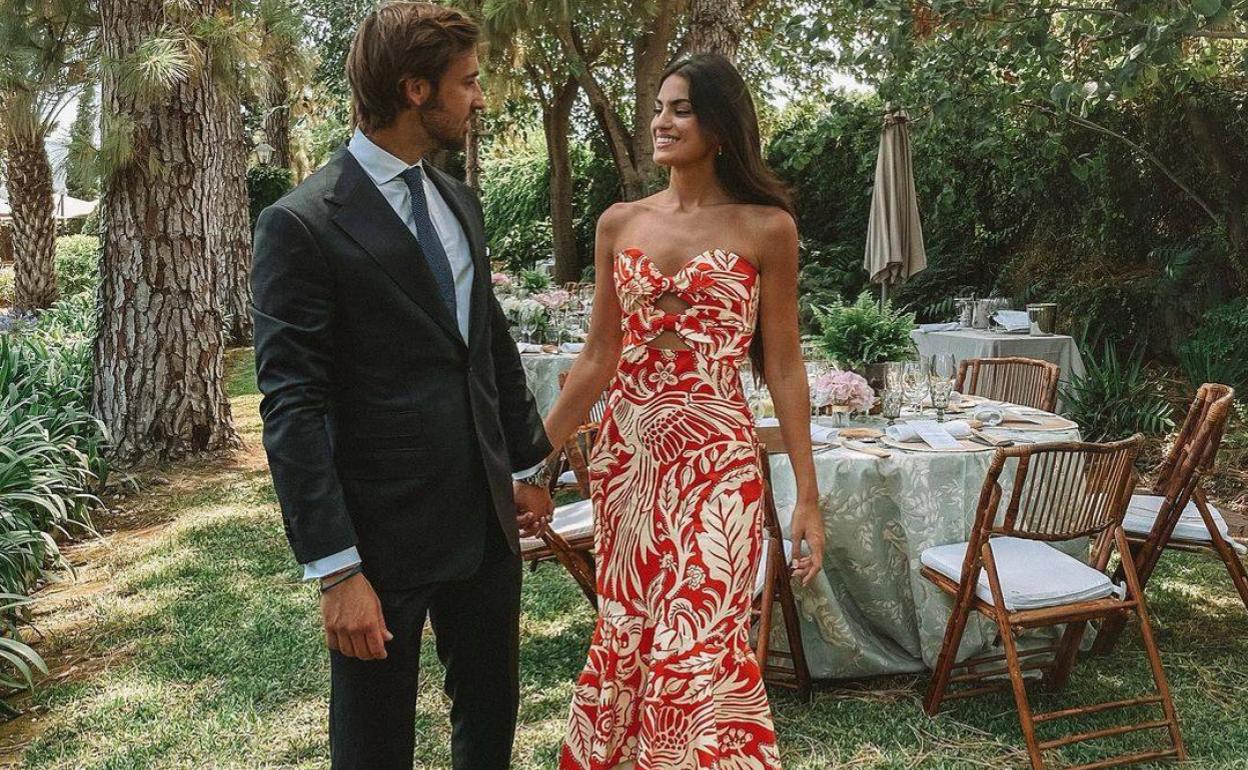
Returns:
<point x="344" y="577"/>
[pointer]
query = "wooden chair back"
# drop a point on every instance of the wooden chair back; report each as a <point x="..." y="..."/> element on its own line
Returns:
<point x="1061" y="491"/>
<point x="1022" y="381"/>
<point x="1209" y="412"/>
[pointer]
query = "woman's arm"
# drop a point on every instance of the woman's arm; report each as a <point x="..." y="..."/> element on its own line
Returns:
<point x="786" y="379"/>
<point x="596" y="365"/>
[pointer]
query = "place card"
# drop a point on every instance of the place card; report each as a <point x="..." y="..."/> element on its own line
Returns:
<point x="934" y="434"/>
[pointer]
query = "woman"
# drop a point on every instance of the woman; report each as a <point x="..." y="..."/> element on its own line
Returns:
<point x="671" y="681"/>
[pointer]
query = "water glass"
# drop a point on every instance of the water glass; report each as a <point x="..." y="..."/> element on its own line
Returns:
<point x="914" y="383"/>
<point x="941" y="390"/>
<point x="894" y="376"/>
<point x="890" y="405"/>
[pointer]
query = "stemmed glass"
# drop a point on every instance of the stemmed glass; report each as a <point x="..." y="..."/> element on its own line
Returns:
<point x="914" y="384"/>
<point x="942" y="369"/>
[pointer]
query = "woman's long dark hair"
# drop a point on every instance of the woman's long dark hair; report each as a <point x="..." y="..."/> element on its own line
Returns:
<point x="726" y="111"/>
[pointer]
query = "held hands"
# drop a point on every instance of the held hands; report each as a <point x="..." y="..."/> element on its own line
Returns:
<point x="807" y="527"/>
<point x="533" y="508"/>
<point x="351" y="615"/>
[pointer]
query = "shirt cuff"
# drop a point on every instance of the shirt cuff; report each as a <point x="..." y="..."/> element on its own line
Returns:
<point x="524" y="474"/>
<point x="331" y="564"/>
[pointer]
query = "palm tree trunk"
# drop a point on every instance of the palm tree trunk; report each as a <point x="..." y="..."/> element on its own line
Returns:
<point x="29" y="183"/>
<point x="277" y="122"/>
<point x="159" y="382"/>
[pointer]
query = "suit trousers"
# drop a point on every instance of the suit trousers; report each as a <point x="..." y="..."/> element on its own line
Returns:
<point x="476" y="628"/>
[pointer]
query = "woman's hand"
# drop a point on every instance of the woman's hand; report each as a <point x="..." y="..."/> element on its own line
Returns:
<point x="807" y="527"/>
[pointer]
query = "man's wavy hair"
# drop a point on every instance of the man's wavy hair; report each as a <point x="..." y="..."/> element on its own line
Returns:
<point x="402" y="41"/>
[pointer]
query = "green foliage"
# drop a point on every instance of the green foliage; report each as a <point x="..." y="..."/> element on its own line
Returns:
<point x="265" y="184"/>
<point x="1115" y="399"/>
<point x="6" y="287"/>
<point x="51" y="458"/>
<point x="521" y="246"/>
<point x="77" y="264"/>
<point x="81" y="175"/>
<point x="827" y="274"/>
<point x="534" y="281"/>
<point x="863" y="333"/>
<point x="1218" y="350"/>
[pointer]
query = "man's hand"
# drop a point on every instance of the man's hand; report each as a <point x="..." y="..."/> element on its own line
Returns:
<point x="533" y="508"/>
<point x="351" y="614"/>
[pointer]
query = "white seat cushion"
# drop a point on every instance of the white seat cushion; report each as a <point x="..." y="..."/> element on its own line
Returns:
<point x="1142" y="514"/>
<point x="1033" y="574"/>
<point x="567" y="478"/>
<point x="573" y="520"/>
<point x="761" y="577"/>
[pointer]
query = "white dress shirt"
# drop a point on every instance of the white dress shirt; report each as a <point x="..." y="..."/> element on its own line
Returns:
<point x="385" y="170"/>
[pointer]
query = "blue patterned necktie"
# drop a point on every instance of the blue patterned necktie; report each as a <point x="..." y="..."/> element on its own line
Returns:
<point x="430" y="243"/>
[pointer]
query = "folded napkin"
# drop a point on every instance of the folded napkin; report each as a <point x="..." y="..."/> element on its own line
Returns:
<point x="908" y="435"/>
<point x="951" y="326"/>
<point x="1012" y="320"/>
<point x="528" y="347"/>
<point x="818" y="433"/>
<point x="995" y="414"/>
<point x="571" y="347"/>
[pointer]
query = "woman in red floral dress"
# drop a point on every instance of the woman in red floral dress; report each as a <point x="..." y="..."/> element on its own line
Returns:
<point x="688" y="275"/>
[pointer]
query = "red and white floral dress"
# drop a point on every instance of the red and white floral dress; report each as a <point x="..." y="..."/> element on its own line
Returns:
<point x="671" y="682"/>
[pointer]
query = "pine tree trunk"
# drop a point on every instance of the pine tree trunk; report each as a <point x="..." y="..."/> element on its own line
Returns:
<point x="277" y="122"/>
<point x="556" y="122"/>
<point x="229" y="220"/>
<point x="29" y="183"/>
<point x="159" y="370"/>
<point x="715" y="26"/>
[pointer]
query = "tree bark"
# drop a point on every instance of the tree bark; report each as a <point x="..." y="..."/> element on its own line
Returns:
<point x="556" y="122"/>
<point x="159" y="383"/>
<point x="229" y="222"/>
<point x="29" y="182"/>
<point x="277" y="122"/>
<point x="472" y="156"/>
<point x="715" y="26"/>
<point x="651" y="55"/>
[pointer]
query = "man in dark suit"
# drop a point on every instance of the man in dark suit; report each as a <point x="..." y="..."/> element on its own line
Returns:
<point x="395" y="406"/>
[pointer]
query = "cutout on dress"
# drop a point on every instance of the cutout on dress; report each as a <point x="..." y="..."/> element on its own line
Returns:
<point x="667" y="339"/>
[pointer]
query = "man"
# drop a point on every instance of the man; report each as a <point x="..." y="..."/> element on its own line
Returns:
<point x="395" y="406"/>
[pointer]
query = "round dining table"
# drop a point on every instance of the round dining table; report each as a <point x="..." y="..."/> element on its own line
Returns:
<point x="870" y="612"/>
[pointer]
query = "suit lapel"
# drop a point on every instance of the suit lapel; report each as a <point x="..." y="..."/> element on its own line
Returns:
<point x="366" y="216"/>
<point x="474" y="231"/>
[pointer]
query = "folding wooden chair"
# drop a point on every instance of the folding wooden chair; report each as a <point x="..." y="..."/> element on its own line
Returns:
<point x="1174" y="513"/>
<point x="777" y="587"/>
<point x="1022" y="381"/>
<point x="1009" y="573"/>
<point x="569" y="536"/>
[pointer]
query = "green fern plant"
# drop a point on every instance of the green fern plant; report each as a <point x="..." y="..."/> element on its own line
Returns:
<point x="864" y="333"/>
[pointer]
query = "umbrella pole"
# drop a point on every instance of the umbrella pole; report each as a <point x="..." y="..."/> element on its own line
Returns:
<point x="883" y="294"/>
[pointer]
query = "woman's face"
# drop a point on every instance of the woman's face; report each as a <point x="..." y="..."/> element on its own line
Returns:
<point x="678" y="138"/>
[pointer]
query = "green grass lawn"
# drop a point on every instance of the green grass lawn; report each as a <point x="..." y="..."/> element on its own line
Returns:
<point x="208" y="655"/>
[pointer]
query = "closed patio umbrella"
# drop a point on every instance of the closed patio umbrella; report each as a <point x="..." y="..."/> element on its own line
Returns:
<point x="894" y="236"/>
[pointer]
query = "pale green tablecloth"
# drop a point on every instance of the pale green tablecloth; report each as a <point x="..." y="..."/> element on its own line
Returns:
<point x="542" y="372"/>
<point x="977" y="343"/>
<point x="871" y="612"/>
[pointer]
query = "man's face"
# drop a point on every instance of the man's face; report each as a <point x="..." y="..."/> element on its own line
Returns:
<point x="447" y="114"/>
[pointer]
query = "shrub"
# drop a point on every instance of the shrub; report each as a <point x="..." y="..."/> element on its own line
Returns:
<point x="1114" y="399"/>
<point x="77" y="264"/>
<point x="6" y="286"/>
<point x="265" y="184"/>
<point x="1218" y="349"/>
<point x="863" y="333"/>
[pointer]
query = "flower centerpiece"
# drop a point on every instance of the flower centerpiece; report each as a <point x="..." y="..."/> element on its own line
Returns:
<point x="526" y="313"/>
<point x="842" y="393"/>
<point x="864" y="336"/>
